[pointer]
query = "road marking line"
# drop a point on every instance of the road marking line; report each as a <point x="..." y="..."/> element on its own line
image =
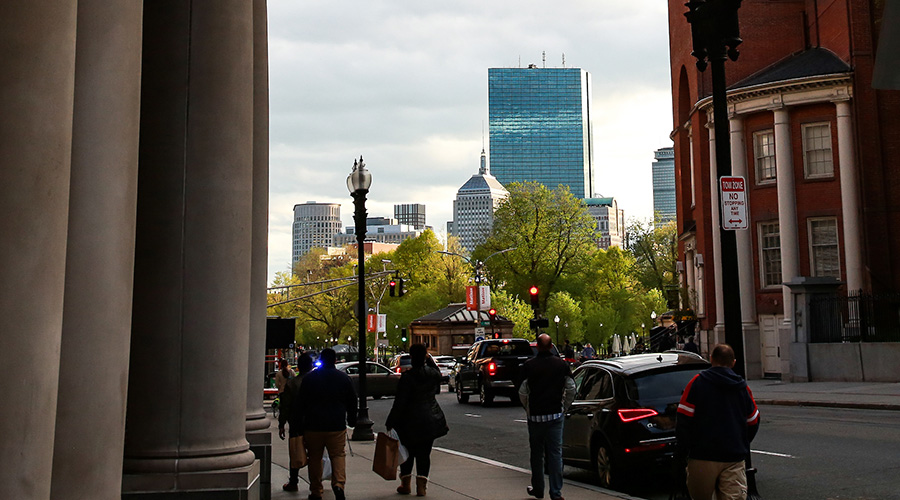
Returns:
<point x="521" y="420"/>
<point x="473" y="415"/>
<point x="772" y="453"/>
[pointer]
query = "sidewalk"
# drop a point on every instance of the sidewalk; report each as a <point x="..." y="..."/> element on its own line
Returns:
<point x="453" y="476"/>
<point x="857" y="395"/>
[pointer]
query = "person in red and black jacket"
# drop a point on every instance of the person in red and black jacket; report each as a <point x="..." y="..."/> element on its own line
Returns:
<point x="717" y="420"/>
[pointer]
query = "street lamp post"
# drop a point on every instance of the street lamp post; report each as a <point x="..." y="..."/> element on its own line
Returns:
<point x="358" y="183"/>
<point x="556" y="320"/>
<point x="715" y="34"/>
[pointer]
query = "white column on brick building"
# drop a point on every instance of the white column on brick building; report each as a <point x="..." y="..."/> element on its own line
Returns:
<point x="744" y="246"/>
<point x="714" y="209"/>
<point x="787" y="206"/>
<point x="849" y="197"/>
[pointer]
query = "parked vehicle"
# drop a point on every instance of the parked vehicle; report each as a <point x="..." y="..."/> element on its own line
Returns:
<point x="491" y="368"/>
<point x="623" y="416"/>
<point x="445" y="364"/>
<point x="380" y="380"/>
<point x="401" y="363"/>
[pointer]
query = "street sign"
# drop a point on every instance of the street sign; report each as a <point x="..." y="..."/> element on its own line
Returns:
<point x="479" y="338"/>
<point x="733" y="193"/>
<point x="479" y="331"/>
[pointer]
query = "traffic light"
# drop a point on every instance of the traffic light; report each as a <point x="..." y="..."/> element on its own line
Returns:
<point x="393" y="286"/>
<point x="400" y="290"/>
<point x="403" y="336"/>
<point x="492" y="313"/>
<point x="535" y="297"/>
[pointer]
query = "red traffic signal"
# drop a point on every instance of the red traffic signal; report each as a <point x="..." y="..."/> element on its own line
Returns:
<point x="393" y="287"/>
<point x="492" y="311"/>
<point x="533" y="291"/>
<point x="535" y="297"/>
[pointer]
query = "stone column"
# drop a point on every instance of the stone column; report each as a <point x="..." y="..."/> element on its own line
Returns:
<point x="90" y="416"/>
<point x="714" y="204"/>
<point x="749" y="322"/>
<point x="37" y="75"/>
<point x="850" y="205"/>
<point x="787" y="205"/>
<point x="257" y="424"/>
<point x="187" y="393"/>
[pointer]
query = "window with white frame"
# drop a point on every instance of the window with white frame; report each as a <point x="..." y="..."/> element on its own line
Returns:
<point x="824" y="254"/>
<point x="817" y="158"/>
<point x="770" y="254"/>
<point x="764" y="155"/>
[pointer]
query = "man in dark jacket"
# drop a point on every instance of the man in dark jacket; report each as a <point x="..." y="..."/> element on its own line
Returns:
<point x="717" y="419"/>
<point x="546" y="392"/>
<point x="327" y="401"/>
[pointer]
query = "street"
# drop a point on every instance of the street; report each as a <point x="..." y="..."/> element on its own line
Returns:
<point x="802" y="453"/>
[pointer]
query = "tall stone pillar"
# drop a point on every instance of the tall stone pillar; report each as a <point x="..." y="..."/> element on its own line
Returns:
<point x="714" y="202"/>
<point x="187" y="394"/>
<point x="257" y="424"/>
<point x="37" y="74"/>
<point x="850" y="204"/>
<point x="787" y="221"/>
<point x="787" y="205"/>
<point x="749" y="323"/>
<point x="90" y="416"/>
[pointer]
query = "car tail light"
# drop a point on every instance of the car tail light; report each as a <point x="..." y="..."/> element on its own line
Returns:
<point x="492" y="368"/>
<point x="397" y="369"/>
<point x="646" y="447"/>
<point x="632" y="414"/>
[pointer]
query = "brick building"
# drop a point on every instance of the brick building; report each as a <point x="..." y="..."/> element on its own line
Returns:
<point x="819" y="149"/>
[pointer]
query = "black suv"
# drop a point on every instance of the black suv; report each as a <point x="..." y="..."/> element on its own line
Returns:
<point x="624" y="412"/>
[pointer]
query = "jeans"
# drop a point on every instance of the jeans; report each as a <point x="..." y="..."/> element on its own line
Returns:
<point x="420" y="454"/>
<point x="545" y="439"/>
<point x="316" y="444"/>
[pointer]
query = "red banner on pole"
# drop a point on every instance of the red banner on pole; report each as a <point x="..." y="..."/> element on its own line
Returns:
<point x="471" y="298"/>
<point x="371" y="323"/>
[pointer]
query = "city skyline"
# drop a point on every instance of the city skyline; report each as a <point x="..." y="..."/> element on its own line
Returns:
<point x="374" y="80"/>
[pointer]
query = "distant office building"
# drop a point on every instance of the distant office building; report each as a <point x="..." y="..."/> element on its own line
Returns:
<point x="664" y="184"/>
<point x="540" y="127"/>
<point x="411" y="214"/>
<point x="473" y="209"/>
<point x="379" y="230"/>
<point x="610" y="221"/>
<point x="315" y="225"/>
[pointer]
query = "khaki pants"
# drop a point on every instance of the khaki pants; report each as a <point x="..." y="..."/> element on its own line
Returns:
<point x="727" y="480"/>
<point x="316" y="444"/>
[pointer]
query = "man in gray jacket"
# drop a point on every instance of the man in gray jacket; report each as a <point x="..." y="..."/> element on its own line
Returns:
<point x="546" y="392"/>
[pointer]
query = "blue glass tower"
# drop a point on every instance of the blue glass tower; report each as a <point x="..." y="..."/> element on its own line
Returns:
<point x="664" y="184"/>
<point x="539" y="121"/>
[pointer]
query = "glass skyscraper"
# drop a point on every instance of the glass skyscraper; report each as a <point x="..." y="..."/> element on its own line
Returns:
<point x="664" y="184"/>
<point x="540" y="127"/>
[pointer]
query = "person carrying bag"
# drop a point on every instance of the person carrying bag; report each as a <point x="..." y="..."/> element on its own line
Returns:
<point x="291" y="413"/>
<point x="418" y="419"/>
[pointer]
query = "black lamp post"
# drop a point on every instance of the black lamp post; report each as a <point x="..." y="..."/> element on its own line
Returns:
<point x="716" y="35"/>
<point x="358" y="183"/>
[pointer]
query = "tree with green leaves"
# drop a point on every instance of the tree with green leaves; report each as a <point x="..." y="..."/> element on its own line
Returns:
<point x="515" y="310"/>
<point x="553" y="235"/>
<point x="655" y="251"/>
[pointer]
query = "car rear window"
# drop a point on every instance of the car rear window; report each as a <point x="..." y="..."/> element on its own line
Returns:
<point x="660" y="385"/>
<point x="506" y="349"/>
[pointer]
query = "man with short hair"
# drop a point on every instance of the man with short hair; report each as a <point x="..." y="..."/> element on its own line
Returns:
<point x="546" y="392"/>
<point x="717" y="419"/>
<point x="328" y="404"/>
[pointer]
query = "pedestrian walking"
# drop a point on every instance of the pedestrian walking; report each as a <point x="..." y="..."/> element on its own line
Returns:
<point x="328" y="405"/>
<point x="417" y="418"/>
<point x="546" y="392"/>
<point x="568" y="352"/>
<point x="717" y="419"/>
<point x="588" y="352"/>
<point x="690" y="346"/>
<point x="291" y="414"/>
<point x="284" y="373"/>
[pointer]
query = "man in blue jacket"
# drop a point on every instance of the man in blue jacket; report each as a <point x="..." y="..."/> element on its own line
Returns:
<point x="328" y="404"/>
<point x="717" y="419"/>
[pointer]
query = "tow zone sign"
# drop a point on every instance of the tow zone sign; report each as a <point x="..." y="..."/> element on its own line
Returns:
<point x="733" y="193"/>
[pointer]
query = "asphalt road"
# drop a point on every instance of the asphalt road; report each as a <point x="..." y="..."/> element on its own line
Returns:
<point x="801" y="453"/>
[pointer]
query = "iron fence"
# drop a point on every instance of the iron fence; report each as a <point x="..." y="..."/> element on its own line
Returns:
<point x="855" y="318"/>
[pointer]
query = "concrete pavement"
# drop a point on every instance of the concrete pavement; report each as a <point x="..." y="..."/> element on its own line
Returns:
<point x="456" y="475"/>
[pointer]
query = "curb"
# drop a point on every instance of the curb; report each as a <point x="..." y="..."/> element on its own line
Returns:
<point x="829" y="404"/>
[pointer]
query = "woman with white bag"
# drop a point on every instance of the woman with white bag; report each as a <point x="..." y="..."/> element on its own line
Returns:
<point x="417" y="418"/>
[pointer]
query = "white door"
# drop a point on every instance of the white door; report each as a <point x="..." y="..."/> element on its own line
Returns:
<point x="771" y="351"/>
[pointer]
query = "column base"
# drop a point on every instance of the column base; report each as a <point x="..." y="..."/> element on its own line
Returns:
<point x="261" y="446"/>
<point x="229" y="484"/>
<point x="753" y="367"/>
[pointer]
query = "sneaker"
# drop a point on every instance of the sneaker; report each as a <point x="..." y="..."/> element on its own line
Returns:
<point x="531" y="491"/>
<point x="338" y="493"/>
<point x="289" y="486"/>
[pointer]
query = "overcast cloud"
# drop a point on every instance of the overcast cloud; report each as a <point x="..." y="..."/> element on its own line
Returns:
<point x="404" y="83"/>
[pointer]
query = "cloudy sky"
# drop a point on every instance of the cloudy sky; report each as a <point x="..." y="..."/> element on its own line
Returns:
<point x="404" y="83"/>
